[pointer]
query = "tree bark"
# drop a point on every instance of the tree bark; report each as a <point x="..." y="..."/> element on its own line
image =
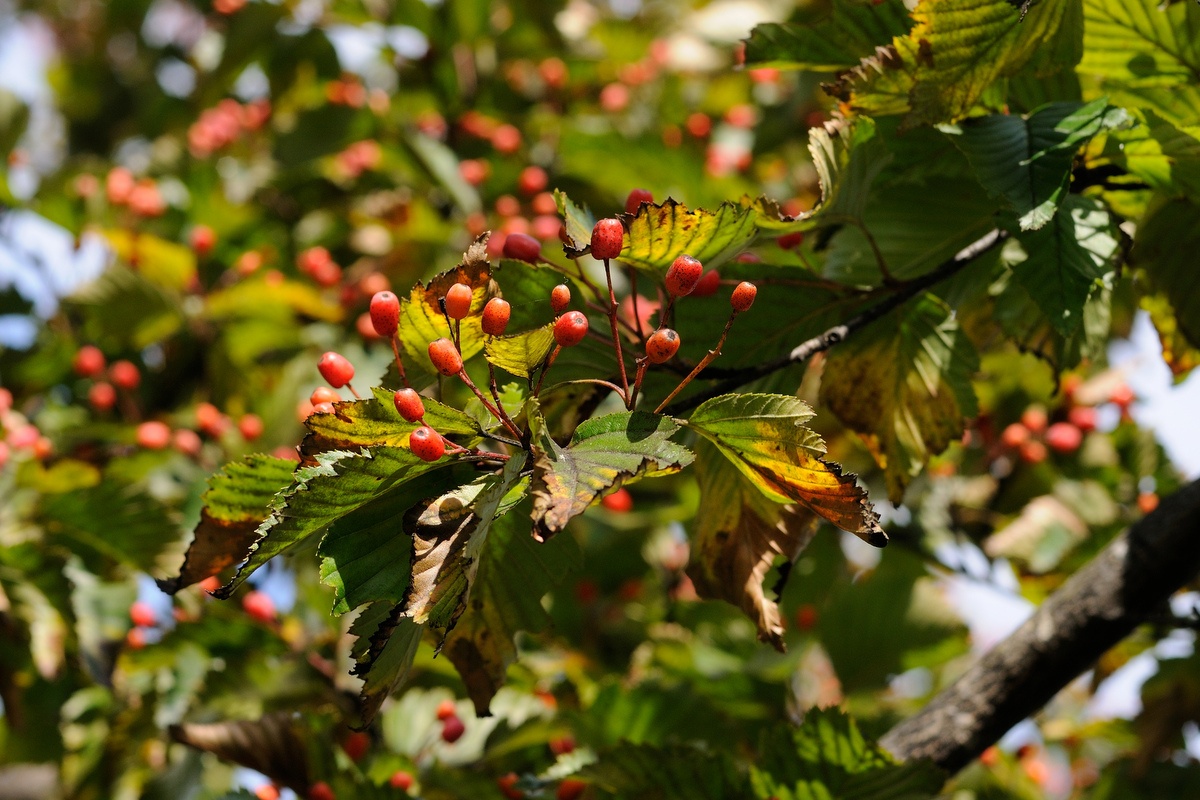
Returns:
<point x="1097" y="607"/>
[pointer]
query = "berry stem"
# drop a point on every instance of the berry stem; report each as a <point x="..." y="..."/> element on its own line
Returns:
<point x="637" y="318"/>
<point x="504" y="417"/>
<point x="584" y="279"/>
<point x="704" y="362"/>
<point x="642" y="363"/>
<point x="546" y="368"/>
<point x="597" y="381"/>
<point x="400" y="363"/>
<point x="501" y="418"/>
<point x="353" y="391"/>
<point x="616" y="334"/>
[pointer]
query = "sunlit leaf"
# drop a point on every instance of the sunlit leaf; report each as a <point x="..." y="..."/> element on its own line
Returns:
<point x="521" y="353"/>
<point x="383" y="652"/>
<point x="659" y="233"/>
<point x="258" y="298"/>
<point x="163" y="263"/>
<point x="839" y="42"/>
<point x="1165" y="247"/>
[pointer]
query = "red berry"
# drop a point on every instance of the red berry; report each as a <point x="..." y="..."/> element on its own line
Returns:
<point x="323" y="394"/>
<point x="102" y="396"/>
<point x="323" y="408"/>
<point x="806" y="617"/>
<point x="522" y="247"/>
<point x="187" y="442"/>
<point x="1033" y="452"/>
<point x="210" y="584"/>
<point x="125" y="375"/>
<point x="507" y="785"/>
<point x="636" y="198"/>
<point x="1147" y="502"/>
<point x="385" y="313"/>
<point x="446" y="709"/>
<point x="683" y="275"/>
<point x="203" y="240"/>
<point x="426" y="444"/>
<point x="356" y="745"/>
<point x="251" y="427"/>
<point x="506" y="139"/>
<point x="607" y="237"/>
<point x="153" y="435"/>
<point x="1082" y="417"/>
<point x="570" y="329"/>
<point x="570" y="789"/>
<point x="495" y="316"/>
<point x="445" y="357"/>
<point x="320" y="791"/>
<point x="259" y="606"/>
<point x="135" y="639"/>
<point x="401" y="780"/>
<point x="1063" y="437"/>
<point x="1014" y="435"/>
<point x="662" y="345"/>
<point x="560" y="298"/>
<point x="452" y="730"/>
<point x="708" y="284"/>
<point x="267" y="792"/>
<point x="790" y="240"/>
<point x="1035" y="419"/>
<point x="142" y="615"/>
<point x="409" y="404"/>
<point x="336" y="369"/>
<point x="89" y="361"/>
<point x="532" y="180"/>
<point x="1122" y="396"/>
<point x="458" y="301"/>
<point x="743" y="296"/>
<point x="619" y="502"/>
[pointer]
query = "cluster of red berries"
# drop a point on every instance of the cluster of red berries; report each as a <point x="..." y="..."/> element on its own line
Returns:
<point x="121" y="188"/>
<point x="452" y="725"/>
<point x="220" y="126"/>
<point x="568" y="788"/>
<point x="18" y="434"/>
<point x="318" y="264"/>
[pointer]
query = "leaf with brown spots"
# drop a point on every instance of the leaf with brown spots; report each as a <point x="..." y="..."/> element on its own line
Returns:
<point x="763" y="435"/>
<point x="238" y="499"/>
<point x="904" y="384"/>
<point x="660" y="232"/>
<point x="383" y="653"/>
<point x="739" y="535"/>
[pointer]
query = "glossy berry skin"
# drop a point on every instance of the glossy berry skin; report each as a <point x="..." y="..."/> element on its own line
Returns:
<point x="708" y="284"/>
<point x="522" y="247"/>
<point x="570" y="789"/>
<point x="323" y="394"/>
<point x="570" y="329"/>
<point x="636" y="198"/>
<point x="409" y="404"/>
<point x="320" y="791"/>
<point x="662" y="345"/>
<point x="385" y="313"/>
<point x="452" y="730"/>
<point x="426" y="444"/>
<point x="445" y="357"/>
<point x="619" y="502"/>
<point x="335" y="369"/>
<point x="89" y="361"/>
<point x="683" y="275"/>
<point x="458" y="301"/>
<point x="1063" y="437"/>
<point x="743" y="296"/>
<point x="607" y="237"/>
<point x="495" y="316"/>
<point x="560" y="298"/>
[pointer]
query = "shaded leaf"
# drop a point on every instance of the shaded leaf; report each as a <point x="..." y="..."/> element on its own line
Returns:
<point x="848" y="156"/>
<point x="904" y="384"/>
<point x="765" y="438"/>
<point x="257" y="298"/>
<point x="274" y="745"/>
<point x="675" y="772"/>
<point x="109" y="522"/>
<point x="605" y="453"/>
<point x="238" y="499"/>
<point x="578" y="222"/>
<point x="126" y="306"/>
<point x="1165" y="247"/>
<point x="383" y="653"/>
<point x="839" y="42"/>
<point x="521" y="353"/>
<point x="1180" y="354"/>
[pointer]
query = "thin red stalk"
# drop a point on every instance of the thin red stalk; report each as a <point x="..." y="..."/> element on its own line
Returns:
<point x="546" y="368"/>
<point x="353" y="391"/>
<point x="616" y="334"/>
<point x="399" y="362"/>
<point x="501" y="418"/>
<point x="704" y="362"/>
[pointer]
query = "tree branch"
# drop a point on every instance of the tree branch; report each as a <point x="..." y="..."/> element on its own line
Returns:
<point x="807" y="349"/>
<point x="1120" y="588"/>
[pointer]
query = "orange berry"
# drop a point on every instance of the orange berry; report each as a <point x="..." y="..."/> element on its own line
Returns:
<point x="743" y="296"/>
<point x="445" y="357"/>
<point x="570" y="329"/>
<point x="662" y="345"/>
<point x="458" y="301"/>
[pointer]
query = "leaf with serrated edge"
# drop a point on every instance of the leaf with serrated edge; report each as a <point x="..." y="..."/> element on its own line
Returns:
<point x="671" y="772"/>
<point x="904" y="384"/>
<point x="521" y="353"/>
<point x="839" y="42"/>
<point x="514" y="573"/>
<point x="739" y="534"/>
<point x="383" y="653"/>
<point x="765" y="438"/>
<point x="605" y="453"/>
<point x="237" y="501"/>
<point x="660" y="232"/>
<point x="578" y="222"/>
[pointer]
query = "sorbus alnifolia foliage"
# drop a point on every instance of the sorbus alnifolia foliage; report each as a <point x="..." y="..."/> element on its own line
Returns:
<point x="743" y="296"/>
<point x="635" y="199"/>
<point x="401" y="780"/>
<point x="560" y="298"/>
<point x="385" y="313"/>
<point x="142" y="615"/>
<point x="125" y="375"/>
<point x="258" y="605"/>
<point x="320" y="791"/>
<point x="409" y="404"/>
<point x="522" y="247"/>
<point x="323" y="394"/>
<point x="662" y="345"/>
<point x="452" y="730"/>
<point x="708" y="284"/>
<point x="607" y="237"/>
<point x="445" y="357"/>
<point x="153" y="435"/>
<point x="683" y="275"/>
<point x="458" y="301"/>
<point x="446" y="709"/>
<point x="336" y="369"/>
<point x="570" y="329"/>
<point x="495" y="316"/>
<point x="89" y="361"/>
<point x="426" y="444"/>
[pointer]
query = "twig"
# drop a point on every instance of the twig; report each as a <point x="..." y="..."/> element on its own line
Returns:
<point x="616" y="334"/>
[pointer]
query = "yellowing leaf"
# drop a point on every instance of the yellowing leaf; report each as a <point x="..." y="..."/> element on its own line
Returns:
<point x="159" y="261"/>
<point x="255" y="297"/>
<point x="764" y="436"/>
<point x="659" y="233"/>
<point x="904" y="383"/>
<point x="521" y="353"/>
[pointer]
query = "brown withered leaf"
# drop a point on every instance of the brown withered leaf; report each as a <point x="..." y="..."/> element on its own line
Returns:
<point x="275" y="745"/>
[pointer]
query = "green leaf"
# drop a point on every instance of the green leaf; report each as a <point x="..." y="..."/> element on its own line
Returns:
<point x="605" y="453"/>
<point x="125" y="307"/>
<point x="109" y="523"/>
<point x="1180" y="354"/>
<point x="765" y="438"/>
<point x="442" y="164"/>
<point x="1165" y="247"/>
<point x="238" y="499"/>
<point x="904" y="384"/>
<point x="1066" y="259"/>
<point x="521" y="353"/>
<point x="828" y="757"/>
<point x="852" y="32"/>
<point x="515" y="572"/>
<point x="101" y="612"/>
<point x="675" y="772"/>
<point x="162" y="263"/>
<point x="954" y="53"/>
<point x="848" y="157"/>
<point x="578" y="222"/>
<point x="14" y="117"/>
<point x="422" y="321"/>
<point x="1027" y="160"/>
<point x="256" y="298"/>
<point x="384" y="651"/>
<point x="659" y="233"/>
<point x="1163" y="155"/>
<point x="739" y="535"/>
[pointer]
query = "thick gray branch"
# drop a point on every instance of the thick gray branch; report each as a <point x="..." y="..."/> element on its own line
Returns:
<point x="1096" y="608"/>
